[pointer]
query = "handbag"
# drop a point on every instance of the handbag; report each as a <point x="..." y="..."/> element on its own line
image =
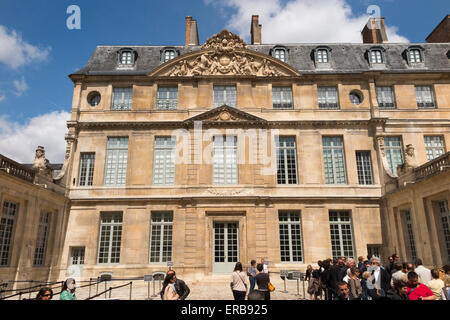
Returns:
<point x="271" y="287"/>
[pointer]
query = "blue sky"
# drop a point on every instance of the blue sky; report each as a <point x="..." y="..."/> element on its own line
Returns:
<point x="38" y="84"/>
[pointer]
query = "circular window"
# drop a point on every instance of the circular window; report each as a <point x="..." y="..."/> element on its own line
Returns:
<point x="94" y="98"/>
<point x="356" y="98"/>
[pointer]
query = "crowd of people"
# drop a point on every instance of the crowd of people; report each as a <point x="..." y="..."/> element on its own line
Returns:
<point x="344" y="279"/>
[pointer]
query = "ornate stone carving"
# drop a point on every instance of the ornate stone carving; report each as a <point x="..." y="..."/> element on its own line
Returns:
<point x="224" y="54"/>
<point x="69" y="143"/>
<point x="41" y="164"/>
<point x="228" y="192"/>
<point x="382" y="150"/>
<point x="410" y="161"/>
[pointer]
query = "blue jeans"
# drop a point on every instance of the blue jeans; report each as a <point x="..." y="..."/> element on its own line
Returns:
<point x="252" y="283"/>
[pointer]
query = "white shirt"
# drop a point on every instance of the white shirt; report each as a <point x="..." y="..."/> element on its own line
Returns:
<point x="266" y="269"/>
<point x="376" y="274"/>
<point x="424" y="274"/>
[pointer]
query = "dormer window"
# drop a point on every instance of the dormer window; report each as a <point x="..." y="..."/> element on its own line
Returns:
<point x="322" y="57"/>
<point x="280" y="53"/>
<point x="126" y="57"/>
<point x="168" y="54"/>
<point x="415" y="55"/>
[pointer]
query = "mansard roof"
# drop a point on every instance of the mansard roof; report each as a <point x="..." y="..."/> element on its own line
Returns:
<point x="345" y="59"/>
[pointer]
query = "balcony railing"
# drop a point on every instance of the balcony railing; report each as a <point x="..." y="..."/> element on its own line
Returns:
<point x="432" y="167"/>
<point x="16" y="169"/>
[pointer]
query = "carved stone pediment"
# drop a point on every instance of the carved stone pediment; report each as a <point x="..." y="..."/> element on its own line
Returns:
<point x="225" y="54"/>
<point x="226" y="114"/>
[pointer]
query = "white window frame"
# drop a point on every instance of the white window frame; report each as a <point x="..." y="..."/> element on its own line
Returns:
<point x="164" y="161"/>
<point x="77" y="255"/>
<point x="364" y="167"/>
<point x="435" y="146"/>
<point x="282" y="98"/>
<point x="328" y="98"/>
<point x="392" y="152"/>
<point x="283" y="148"/>
<point x="169" y="54"/>
<point x="410" y="237"/>
<point x="87" y="164"/>
<point x="425" y="97"/>
<point x="116" y="162"/>
<point x="339" y="250"/>
<point x="8" y="220"/>
<point x="167" y="98"/>
<point x="333" y="150"/>
<point x="386" y="97"/>
<point x="291" y="222"/>
<point x="122" y="99"/>
<point x="225" y="161"/>
<point x="225" y="95"/>
<point x="280" y="54"/>
<point x="163" y="236"/>
<point x="116" y="222"/>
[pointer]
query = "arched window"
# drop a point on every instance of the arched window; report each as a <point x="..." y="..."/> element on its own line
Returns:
<point x="280" y="53"/>
<point x="126" y="57"/>
<point x="322" y="55"/>
<point x="415" y="55"/>
<point x="376" y="55"/>
<point x="168" y="54"/>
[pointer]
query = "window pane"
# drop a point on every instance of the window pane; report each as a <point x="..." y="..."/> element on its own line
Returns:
<point x="328" y="98"/>
<point x="110" y="238"/>
<point x="225" y="169"/>
<point x="394" y="153"/>
<point x="41" y="243"/>
<point x="282" y="97"/>
<point x="334" y="161"/>
<point x="116" y="162"/>
<point x="164" y="161"/>
<point x="425" y="97"/>
<point x="434" y="146"/>
<point x="161" y="237"/>
<point x="86" y="169"/>
<point x="167" y="98"/>
<point x="341" y="234"/>
<point x="364" y="167"/>
<point x="286" y="160"/>
<point x="444" y="215"/>
<point x="7" y="221"/>
<point x="385" y="96"/>
<point x="122" y="98"/>
<point x="290" y="237"/>
<point x="224" y="95"/>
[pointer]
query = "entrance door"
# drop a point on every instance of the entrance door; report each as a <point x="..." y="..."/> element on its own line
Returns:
<point x="226" y="247"/>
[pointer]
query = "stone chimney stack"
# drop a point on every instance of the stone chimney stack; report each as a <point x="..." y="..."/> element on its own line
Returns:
<point x="441" y="33"/>
<point x="191" y="32"/>
<point x="375" y="31"/>
<point x="255" y="30"/>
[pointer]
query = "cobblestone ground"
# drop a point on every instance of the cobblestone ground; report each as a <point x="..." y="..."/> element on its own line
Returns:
<point x="210" y="288"/>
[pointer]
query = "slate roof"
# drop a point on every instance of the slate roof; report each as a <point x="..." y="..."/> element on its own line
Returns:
<point x="345" y="58"/>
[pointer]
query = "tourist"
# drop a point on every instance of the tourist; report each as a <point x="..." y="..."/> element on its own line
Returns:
<point x="262" y="280"/>
<point x="354" y="284"/>
<point x="308" y="276"/>
<point x="324" y="279"/>
<point x="265" y="266"/>
<point x="380" y="278"/>
<point x="361" y="264"/>
<point x="345" y="270"/>
<point x="446" y="277"/>
<point x="180" y="287"/>
<point x="45" y="294"/>
<point x="333" y="275"/>
<point x="314" y="286"/>
<point x="251" y="275"/>
<point x="238" y="283"/>
<point x="398" y="291"/>
<point x="436" y="285"/>
<point x="416" y="290"/>
<point x="397" y="273"/>
<point x="343" y="293"/>
<point x="390" y="265"/>
<point x="170" y="293"/>
<point x="424" y="273"/>
<point x="68" y="290"/>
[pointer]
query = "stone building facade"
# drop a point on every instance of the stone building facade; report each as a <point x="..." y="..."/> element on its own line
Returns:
<point x="208" y="155"/>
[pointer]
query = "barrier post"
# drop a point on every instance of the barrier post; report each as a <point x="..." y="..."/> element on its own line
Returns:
<point x="131" y="288"/>
<point x="304" y="294"/>
<point x="283" y="275"/>
<point x="154" y="290"/>
<point x="90" y="279"/>
<point x="105" y="288"/>
<point x="20" y="295"/>
<point x="298" y="287"/>
<point x="110" y="290"/>
<point x="97" y="287"/>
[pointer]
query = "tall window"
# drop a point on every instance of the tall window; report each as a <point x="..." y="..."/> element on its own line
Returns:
<point x="282" y="97"/>
<point x="415" y="56"/>
<point x="7" y="221"/>
<point x="224" y="95"/>
<point x="87" y="161"/>
<point x="364" y="166"/>
<point x="444" y="214"/>
<point x="322" y="56"/>
<point x="425" y="97"/>
<point x="435" y="146"/>
<point x="164" y="161"/>
<point x="77" y="256"/>
<point x="126" y="57"/>
<point x="290" y="237"/>
<point x="394" y="152"/>
<point x="334" y="160"/>
<point x="376" y="56"/>
<point x="280" y="54"/>
<point x="328" y="98"/>
<point x="385" y="97"/>
<point x="42" y="236"/>
<point x="116" y="162"/>
<point x="225" y="169"/>
<point x="161" y="237"/>
<point x="410" y="239"/>
<point x="341" y="234"/>
<point x="286" y="160"/>
<point x="110" y="238"/>
<point x="167" y="98"/>
<point x="122" y="98"/>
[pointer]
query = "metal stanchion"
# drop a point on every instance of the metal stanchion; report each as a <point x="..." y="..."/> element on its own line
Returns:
<point x="110" y="290"/>
<point x="154" y="293"/>
<point x="97" y="287"/>
<point x="131" y="288"/>
<point x="90" y="279"/>
<point x="304" y="294"/>
<point x="283" y="275"/>
<point x="105" y="288"/>
<point x="298" y="287"/>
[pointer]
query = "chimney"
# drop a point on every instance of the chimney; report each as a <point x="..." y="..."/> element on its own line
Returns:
<point x="441" y="33"/>
<point x="375" y="31"/>
<point x="191" y="32"/>
<point x="255" y="30"/>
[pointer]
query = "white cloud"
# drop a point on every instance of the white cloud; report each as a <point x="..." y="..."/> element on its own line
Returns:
<point x="2" y="98"/>
<point x="20" y="87"/>
<point x="301" y="21"/>
<point x="15" y="52"/>
<point x="19" y="141"/>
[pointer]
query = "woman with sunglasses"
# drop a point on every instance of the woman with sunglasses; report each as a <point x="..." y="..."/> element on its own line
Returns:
<point x="45" y="294"/>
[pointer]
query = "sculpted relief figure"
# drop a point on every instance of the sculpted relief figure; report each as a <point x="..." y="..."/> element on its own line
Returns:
<point x="410" y="161"/>
<point x="41" y="163"/>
